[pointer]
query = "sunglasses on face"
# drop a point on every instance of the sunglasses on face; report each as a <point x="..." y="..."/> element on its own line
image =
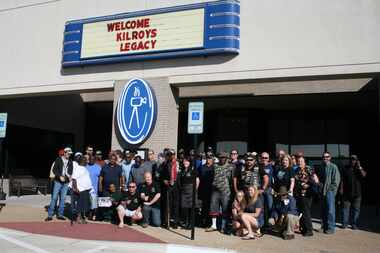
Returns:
<point x="131" y="186"/>
<point x="325" y="157"/>
<point x="264" y="158"/>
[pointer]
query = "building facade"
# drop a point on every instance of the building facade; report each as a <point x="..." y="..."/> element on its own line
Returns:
<point x="299" y="76"/>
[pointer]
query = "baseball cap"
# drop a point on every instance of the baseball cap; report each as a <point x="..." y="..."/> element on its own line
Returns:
<point x="68" y="150"/>
<point x="78" y="154"/>
<point x="354" y="157"/>
<point x="223" y="155"/>
<point x="98" y="152"/>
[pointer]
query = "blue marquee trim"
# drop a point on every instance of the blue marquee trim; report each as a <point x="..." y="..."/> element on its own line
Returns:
<point x="221" y="35"/>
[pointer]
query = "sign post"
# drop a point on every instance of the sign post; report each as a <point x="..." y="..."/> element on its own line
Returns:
<point x="195" y="127"/>
<point x="3" y="128"/>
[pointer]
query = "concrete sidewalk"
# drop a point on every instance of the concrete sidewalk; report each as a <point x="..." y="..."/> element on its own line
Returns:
<point x="25" y="209"/>
<point x="12" y="241"/>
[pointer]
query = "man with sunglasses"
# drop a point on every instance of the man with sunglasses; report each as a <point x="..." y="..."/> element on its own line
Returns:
<point x="352" y="178"/>
<point x="130" y="206"/>
<point x="266" y="187"/>
<point x="250" y="174"/>
<point x="330" y="180"/>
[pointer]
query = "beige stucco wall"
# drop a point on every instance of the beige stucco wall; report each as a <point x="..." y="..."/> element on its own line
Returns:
<point x="279" y="39"/>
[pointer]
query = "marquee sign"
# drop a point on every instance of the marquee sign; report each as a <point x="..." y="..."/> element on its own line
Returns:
<point x="136" y="111"/>
<point x="197" y="29"/>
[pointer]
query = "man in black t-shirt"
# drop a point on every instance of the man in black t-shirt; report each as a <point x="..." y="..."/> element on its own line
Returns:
<point x="130" y="205"/>
<point x="111" y="173"/>
<point x="150" y="194"/>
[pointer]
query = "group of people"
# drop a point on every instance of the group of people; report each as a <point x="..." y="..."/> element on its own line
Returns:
<point x="245" y="195"/>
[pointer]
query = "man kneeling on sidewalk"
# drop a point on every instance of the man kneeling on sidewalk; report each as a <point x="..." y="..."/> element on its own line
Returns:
<point x="130" y="206"/>
<point x="284" y="214"/>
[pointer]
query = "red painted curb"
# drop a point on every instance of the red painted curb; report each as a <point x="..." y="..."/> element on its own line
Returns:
<point x="90" y="231"/>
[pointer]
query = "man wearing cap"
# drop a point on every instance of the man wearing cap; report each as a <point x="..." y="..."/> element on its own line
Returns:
<point x="352" y="177"/>
<point x="250" y="174"/>
<point x="221" y="193"/>
<point x="77" y="157"/>
<point x="284" y="215"/>
<point x="62" y="170"/>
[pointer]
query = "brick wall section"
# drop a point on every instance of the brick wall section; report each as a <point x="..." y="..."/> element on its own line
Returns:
<point x="166" y="129"/>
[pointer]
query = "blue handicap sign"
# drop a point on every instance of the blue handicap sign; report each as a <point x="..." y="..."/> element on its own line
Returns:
<point x="136" y="112"/>
<point x="2" y="123"/>
<point x="195" y="116"/>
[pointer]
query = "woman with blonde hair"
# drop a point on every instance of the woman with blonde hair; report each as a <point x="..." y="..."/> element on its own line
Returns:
<point x="284" y="175"/>
<point x="238" y="207"/>
<point x="253" y="215"/>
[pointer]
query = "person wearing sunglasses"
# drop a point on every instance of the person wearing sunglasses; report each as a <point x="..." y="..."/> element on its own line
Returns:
<point x="330" y="180"/>
<point x="130" y="206"/>
<point x="351" y="188"/>
<point x="266" y="186"/>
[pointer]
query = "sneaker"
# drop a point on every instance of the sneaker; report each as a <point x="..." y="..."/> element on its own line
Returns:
<point x="49" y="219"/>
<point x="144" y="225"/>
<point x="344" y="226"/>
<point x="320" y="230"/>
<point x="210" y="229"/>
<point x="61" y="217"/>
<point x="354" y="227"/>
<point x="289" y="237"/>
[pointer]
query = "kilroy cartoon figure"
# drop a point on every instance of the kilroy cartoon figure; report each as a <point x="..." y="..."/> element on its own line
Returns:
<point x="136" y="112"/>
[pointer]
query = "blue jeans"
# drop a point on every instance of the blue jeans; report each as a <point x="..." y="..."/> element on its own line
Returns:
<point x="328" y="212"/>
<point x="351" y="207"/>
<point x="151" y="215"/>
<point x="61" y="190"/>
<point x="268" y="203"/>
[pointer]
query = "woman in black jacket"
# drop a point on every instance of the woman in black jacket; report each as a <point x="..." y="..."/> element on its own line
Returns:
<point x="187" y="177"/>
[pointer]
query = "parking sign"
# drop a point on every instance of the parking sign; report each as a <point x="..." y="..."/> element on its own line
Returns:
<point x="3" y="124"/>
<point x="195" y="118"/>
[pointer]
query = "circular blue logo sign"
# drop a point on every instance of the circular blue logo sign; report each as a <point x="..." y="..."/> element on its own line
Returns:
<point x="136" y="112"/>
